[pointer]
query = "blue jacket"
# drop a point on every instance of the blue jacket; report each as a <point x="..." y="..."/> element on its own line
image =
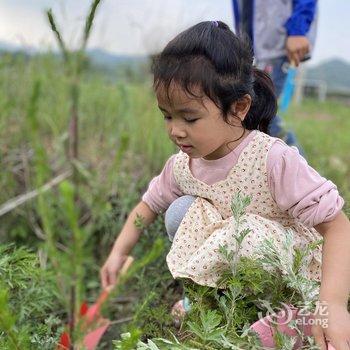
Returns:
<point x="271" y="21"/>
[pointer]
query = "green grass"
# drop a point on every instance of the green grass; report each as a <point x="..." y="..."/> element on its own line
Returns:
<point x="323" y="131"/>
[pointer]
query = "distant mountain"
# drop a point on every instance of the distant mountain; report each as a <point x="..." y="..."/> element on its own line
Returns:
<point x="335" y="72"/>
<point x="8" y="47"/>
<point x="105" y="58"/>
<point x="99" y="57"/>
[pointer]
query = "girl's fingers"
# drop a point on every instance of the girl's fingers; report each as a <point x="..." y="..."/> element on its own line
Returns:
<point x="112" y="278"/>
<point x="343" y="346"/>
<point x="107" y="278"/>
<point x="103" y="277"/>
<point x="109" y="275"/>
<point x="318" y="334"/>
<point x="321" y="343"/>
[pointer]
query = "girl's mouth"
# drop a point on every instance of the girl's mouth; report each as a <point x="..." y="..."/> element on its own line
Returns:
<point x="185" y="148"/>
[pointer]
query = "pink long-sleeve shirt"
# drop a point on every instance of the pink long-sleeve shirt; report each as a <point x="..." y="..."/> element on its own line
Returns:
<point x="295" y="186"/>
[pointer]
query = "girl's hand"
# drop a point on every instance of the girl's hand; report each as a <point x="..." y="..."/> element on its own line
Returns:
<point x="111" y="269"/>
<point x="333" y="325"/>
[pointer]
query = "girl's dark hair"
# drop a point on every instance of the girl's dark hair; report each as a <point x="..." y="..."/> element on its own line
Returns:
<point x="210" y="56"/>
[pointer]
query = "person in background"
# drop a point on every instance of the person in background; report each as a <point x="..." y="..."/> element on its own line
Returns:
<point x="281" y="33"/>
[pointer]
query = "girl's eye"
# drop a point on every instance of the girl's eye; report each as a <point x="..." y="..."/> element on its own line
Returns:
<point x="168" y="117"/>
<point x="191" y="120"/>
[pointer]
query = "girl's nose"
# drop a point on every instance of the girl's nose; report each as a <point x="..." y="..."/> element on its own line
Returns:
<point x="176" y="131"/>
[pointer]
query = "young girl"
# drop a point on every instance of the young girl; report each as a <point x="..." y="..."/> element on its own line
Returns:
<point x="217" y="108"/>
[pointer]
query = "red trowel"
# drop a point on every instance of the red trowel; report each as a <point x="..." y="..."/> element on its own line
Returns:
<point x="90" y="322"/>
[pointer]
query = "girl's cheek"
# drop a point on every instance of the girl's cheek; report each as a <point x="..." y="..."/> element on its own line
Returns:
<point x="168" y="129"/>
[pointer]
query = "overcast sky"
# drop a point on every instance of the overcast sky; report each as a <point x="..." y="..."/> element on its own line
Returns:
<point x="142" y="26"/>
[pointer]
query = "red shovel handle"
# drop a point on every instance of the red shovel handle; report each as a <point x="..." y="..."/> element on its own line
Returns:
<point x="92" y="313"/>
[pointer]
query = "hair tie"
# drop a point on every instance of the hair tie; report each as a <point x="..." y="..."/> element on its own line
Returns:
<point x="216" y="24"/>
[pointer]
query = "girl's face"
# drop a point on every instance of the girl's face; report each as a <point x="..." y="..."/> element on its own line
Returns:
<point x="196" y="125"/>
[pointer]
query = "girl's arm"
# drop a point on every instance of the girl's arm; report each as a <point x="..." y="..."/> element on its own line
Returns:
<point x="335" y="283"/>
<point x="126" y="240"/>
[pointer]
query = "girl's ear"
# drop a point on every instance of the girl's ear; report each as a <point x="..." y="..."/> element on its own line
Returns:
<point x="240" y="108"/>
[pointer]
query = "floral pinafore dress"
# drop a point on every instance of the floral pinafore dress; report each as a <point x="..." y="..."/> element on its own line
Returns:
<point x="209" y="224"/>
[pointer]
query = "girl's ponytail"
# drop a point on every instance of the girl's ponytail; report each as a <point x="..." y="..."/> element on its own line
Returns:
<point x="264" y="103"/>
